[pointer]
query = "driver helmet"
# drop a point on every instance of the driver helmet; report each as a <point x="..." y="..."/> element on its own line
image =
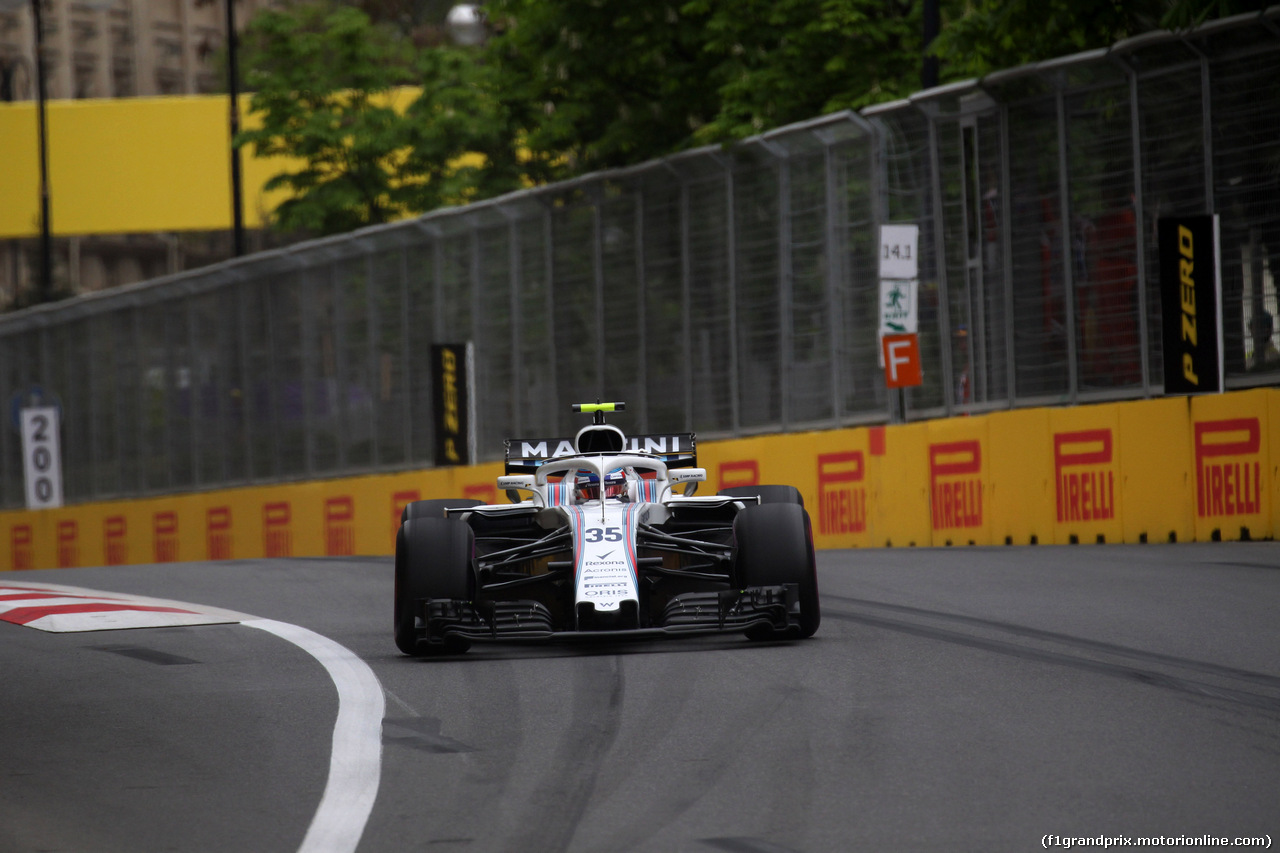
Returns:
<point x="615" y="484"/>
<point x="586" y="486"/>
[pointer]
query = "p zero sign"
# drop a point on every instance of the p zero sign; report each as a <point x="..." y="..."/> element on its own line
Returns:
<point x="42" y="457"/>
<point x="451" y="381"/>
<point x="1190" y="304"/>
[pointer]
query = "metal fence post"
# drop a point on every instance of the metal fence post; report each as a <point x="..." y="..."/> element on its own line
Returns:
<point x="1068" y="255"/>
<point x="938" y="222"/>
<point x="1140" y="233"/>
<point x="731" y="274"/>
<point x="597" y="274"/>
<point x="513" y="284"/>
<point x="642" y="315"/>
<point x="1006" y="258"/>
<point x="786" y="321"/>
<point x="686" y="274"/>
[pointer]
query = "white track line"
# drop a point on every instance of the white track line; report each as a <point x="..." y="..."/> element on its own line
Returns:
<point x="355" y="763"/>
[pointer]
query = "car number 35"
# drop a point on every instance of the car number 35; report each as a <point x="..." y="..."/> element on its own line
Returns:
<point x="604" y="534"/>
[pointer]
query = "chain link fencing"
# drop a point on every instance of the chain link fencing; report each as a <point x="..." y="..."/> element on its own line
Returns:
<point x="721" y="291"/>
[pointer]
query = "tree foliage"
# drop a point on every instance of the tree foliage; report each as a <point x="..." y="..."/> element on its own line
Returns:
<point x="569" y="86"/>
<point x="327" y="90"/>
<point x="321" y="78"/>
<point x="617" y="82"/>
<point x="989" y="35"/>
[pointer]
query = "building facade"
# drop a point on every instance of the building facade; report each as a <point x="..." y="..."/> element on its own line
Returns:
<point x="113" y="49"/>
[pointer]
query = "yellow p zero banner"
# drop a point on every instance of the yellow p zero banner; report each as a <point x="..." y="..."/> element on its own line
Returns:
<point x="1150" y="471"/>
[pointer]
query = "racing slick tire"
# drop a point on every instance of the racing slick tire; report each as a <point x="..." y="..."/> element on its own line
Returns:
<point x="433" y="560"/>
<point x="767" y="494"/>
<point x="775" y="546"/>
<point x="434" y="508"/>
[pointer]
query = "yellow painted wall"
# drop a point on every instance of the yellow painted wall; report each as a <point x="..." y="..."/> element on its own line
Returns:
<point x="1188" y="470"/>
<point x="126" y="165"/>
<point x="1022" y="477"/>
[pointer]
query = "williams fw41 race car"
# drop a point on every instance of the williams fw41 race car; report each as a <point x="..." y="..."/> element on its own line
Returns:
<point x="604" y="540"/>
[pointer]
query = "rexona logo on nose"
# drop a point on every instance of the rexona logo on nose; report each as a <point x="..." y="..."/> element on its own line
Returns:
<point x="1084" y="475"/>
<point x="1228" y="467"/>
<point x="955" y="484"/>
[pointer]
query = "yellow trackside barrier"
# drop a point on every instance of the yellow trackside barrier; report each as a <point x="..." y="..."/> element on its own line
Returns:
<point x="1022" y="477"/>
<point x="960" y="481"/>
<point x="899" y="492"/>
<point x="1231" y="457"/>
<point x="1149" y="471"/>
<point x="1087" y="486"/>
<point x="1273" y="419"/>
<point x="1156" y="498"/>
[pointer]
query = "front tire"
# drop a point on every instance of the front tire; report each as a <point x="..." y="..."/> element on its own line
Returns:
<point x="775" y="546"/>
<point x="433" y="560"/>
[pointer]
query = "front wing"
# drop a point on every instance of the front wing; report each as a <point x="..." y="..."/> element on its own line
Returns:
<point x="757" y="610"/>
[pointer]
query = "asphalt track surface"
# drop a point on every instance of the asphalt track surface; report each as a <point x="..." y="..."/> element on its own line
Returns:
<point x="953" y="699"/>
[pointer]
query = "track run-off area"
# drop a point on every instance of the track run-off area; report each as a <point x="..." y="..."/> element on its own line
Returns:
<point x="1003" y="698"/>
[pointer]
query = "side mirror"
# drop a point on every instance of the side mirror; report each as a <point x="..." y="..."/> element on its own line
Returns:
<point x="513" y="484"/>
<point x="688" y="477"/>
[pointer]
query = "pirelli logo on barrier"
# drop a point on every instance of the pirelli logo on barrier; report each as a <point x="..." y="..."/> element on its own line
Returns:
<point x="1229" y="471"/>
<point x="483" y="492"/>
<point x="339" y="526"/>
<point x="1189" y="304"/>
<point x="451" y="376"/>
<point x="21" y="542"/>
<point x="115" y="540"/>
<point x="400" y="500"/>
<point x="277" y="538"/>
<point x="842" y="492"/>
<point x="164" y="536"/>
<point x="955" y="484"/>
<point x="1085" y="475"/>
<point x="67" y="538"/>
<point x="740" y="472"/>
<point x="217" y="528"/>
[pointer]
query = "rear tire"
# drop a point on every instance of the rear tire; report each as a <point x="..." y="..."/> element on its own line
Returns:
<point x="775" y="546"/>
<point x="433" y="560"/>
<point x="767" y="494"/>
<point x="434" y="508"/>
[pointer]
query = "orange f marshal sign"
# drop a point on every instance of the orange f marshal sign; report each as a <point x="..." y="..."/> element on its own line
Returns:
<point x="901" y="361"/>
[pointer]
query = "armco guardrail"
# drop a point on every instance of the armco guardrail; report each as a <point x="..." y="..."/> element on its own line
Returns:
<point x="728" y="292"/>
<point x="1175" y="469"/>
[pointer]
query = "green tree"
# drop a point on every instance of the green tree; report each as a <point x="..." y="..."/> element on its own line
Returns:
<point x="988" y="35"/>
<point x="326" y="85"/>
<point x="612" y="82"/>
<point x="321" y="77"/>
<point x="570" y="86"/>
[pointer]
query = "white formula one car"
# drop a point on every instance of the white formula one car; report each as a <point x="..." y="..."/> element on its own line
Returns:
<point x="609" y="543"/>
